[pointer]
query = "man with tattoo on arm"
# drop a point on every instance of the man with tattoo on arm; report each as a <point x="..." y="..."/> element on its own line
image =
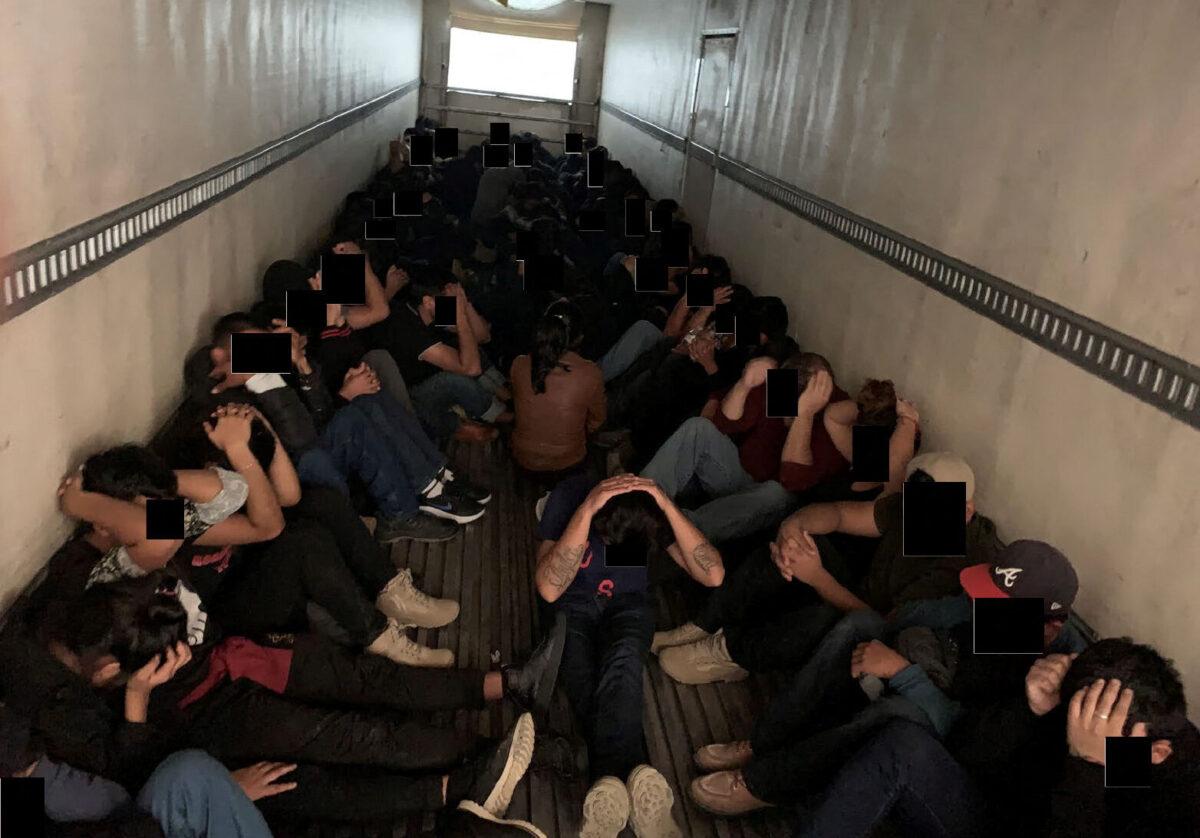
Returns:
<point x="596" y="542"/>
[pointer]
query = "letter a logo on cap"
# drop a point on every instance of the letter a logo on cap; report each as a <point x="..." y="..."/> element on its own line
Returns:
<point x="1009" y="574"/>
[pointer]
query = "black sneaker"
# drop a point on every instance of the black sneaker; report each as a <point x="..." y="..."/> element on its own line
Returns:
<point x="470" y="820"/>
<point x="414" y="528"/>
<point x="451" y="507"/>
<point x="498" y="773"/>
<point x="460" y="487"/>
<point x="531" y="686"/>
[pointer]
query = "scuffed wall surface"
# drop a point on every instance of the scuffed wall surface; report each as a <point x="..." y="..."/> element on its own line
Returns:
<point x="1049" y="143"/>
<point x="100" y="363"/>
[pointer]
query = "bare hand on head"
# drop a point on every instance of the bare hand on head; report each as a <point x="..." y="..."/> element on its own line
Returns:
<point x="755" y="372"/>
<point x="347" y="247"/>
<point x="1043" y="681"/>
<point x="261" y="779"/>
<point x="816" y="394"/>
<point x="907" y="410"/>
<point x="619" y="485"/>
<point x="231" y="427"/>
<point x="703" y="351"/>
<point x="1096" y="712"/>
<point x="161" y="668"/>
<point x="70" y="493"/>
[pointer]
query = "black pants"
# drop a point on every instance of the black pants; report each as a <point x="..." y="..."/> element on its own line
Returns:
<point x="770" y="623"/>
<point x="339" y="711"/>
<point x="325" y="556"/>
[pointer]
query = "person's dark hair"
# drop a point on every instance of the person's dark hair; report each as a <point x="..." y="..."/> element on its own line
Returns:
<point x="126" y="471"/>
<point x="773" y="316"/>
<point x="193" y="448"/>
<point x="633" y="520"/>
<point x="131" y="619"/>
<point x="237" y="321"/>
<point x="877" y="403"/>
<point x="780" y="348"/>
<point x="20" y="746"/>
<point x="558" y="330"/>
<point x="807" y="363"/>
<point x="717" y="267"/>
<point x="1158" y="697"/>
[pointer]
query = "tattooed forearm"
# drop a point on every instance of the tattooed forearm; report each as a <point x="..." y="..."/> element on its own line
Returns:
<point x="562" y="565"/>
<point x="705" y="556"/>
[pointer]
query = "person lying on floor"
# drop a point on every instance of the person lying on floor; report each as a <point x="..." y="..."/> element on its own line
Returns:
<point x="441" y="368"/>
<point x="558" y="396"/>
<point x="931" y="675"/>
<point x="189" y="794"/>
<point x="597" y="542"/>
<point x="750" y="465"/>
<point x="1031" y="763"/>
<point x="353" y="724"/>
<point x="376" y="440"/>
<point x="323" y="559"/>
<point x="766" y="618"/>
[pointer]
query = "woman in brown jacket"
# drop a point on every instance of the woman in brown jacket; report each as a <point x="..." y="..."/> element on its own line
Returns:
<point x="558" y="395"/>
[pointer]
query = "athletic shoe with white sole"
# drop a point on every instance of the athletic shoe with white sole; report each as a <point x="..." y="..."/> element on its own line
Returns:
<point x="451" y="508"/>
<point x="605" y="809"/>
<point x="470" y="820"/>
<point x="492" y="789"/>
<point x="652" y="800"/>
<point x="405" y="603"/>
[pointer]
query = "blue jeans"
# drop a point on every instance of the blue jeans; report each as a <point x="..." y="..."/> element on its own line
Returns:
<point x="698" y="452"/>
<point x="601" y="672"/>
<point x="414" y="450"/>
<point x="904" y="771"/>
<point x="637" y="339"/>
<point x="435" y="396"/>
<point x="191" y="795"/>
<point x="351" y="444"/>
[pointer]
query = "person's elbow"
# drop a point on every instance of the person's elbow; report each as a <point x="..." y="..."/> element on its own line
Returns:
<point x="714" y="577"/>
<point x="473" y="369"/>
<point x="290" y="497"/>
<point x="547" y="592"/>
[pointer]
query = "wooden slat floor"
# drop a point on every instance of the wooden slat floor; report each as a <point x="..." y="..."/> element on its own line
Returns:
<point x="489" y="570"/>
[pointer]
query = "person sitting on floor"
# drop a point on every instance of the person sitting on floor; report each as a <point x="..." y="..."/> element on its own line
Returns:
<point x="750" y="464"/>
<point x="767" y="618"/>
<point x="189" y="794"/>
<point x="352" y="723"/>
<point x="323" y="559"/>
<point x="931" y="676"/>
<point x="441" y="367"/>
<point x="559" y="397"/>
<point x="597" y="542"/>
<point x="1033" y="763"/>
<point x="376" y="439"/>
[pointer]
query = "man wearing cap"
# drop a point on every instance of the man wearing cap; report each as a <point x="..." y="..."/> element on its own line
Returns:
<point x="761" y="619"/>
<point x="931" y="674"/>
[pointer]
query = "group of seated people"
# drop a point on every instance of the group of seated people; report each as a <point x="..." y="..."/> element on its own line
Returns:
<point x="260" y="668"/>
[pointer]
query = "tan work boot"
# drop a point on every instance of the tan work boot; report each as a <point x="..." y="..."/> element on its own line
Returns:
<point x="605" y="809"/>
<point x="396" y="646"/>
<point x="679" y="636"/>
<point x="652" y="801"/>
<point x="403" y="602"/>
<point x="702" y="662"/>
<point x="723" y="756"/>
<point x="725" y="794"/>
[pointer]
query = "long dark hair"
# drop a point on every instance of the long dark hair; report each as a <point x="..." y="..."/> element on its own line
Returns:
<point x="557" y="331"/>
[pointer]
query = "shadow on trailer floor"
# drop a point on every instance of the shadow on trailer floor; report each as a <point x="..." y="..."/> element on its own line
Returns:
<point x="489" y="570"/>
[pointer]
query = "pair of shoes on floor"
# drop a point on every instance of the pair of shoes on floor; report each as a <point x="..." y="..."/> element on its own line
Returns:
<point x="481" y="814"/>
<point x="403" y="602"/>
<point x="723" y="792"/>
<point x="644" y="802"/>
<point x="395" y="645"/>
<point x="690" y="655"/>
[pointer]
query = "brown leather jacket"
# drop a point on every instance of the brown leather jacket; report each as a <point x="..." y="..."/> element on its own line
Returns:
<point x="552" y="427"/>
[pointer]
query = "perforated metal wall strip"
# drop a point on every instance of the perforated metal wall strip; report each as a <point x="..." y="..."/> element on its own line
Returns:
<point x="38" y="272"/>
<point x="1169" y="383"/>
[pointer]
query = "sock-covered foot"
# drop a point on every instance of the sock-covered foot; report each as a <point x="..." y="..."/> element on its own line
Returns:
<point x="605" y="809"/>
<point x="531" y="685"/>
<point x="405" y="603"/>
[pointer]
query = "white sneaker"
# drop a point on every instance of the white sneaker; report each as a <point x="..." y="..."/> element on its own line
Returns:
<point x="605" y="809"/>
<point x="652" y="801"/>
<point x="679" y="636"/>
<point x="397" y="647"/>
<point x="405" y="603"/>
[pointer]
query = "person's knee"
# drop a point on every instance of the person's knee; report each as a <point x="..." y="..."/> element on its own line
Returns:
<point x="697" y="427"/>
<point x="180" y="773"/>
<point x="865" y="623"/>
<point x="646" y="330"/>
<point x="906" y="741"/>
